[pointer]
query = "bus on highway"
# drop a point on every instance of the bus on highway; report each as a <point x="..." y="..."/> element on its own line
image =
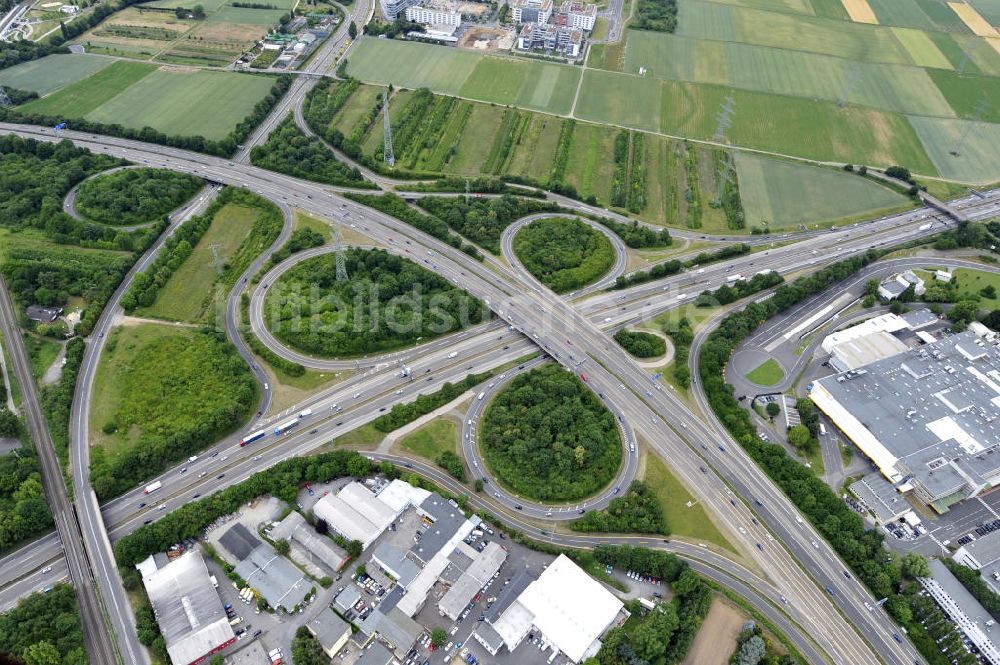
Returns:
<point x="152" y="487"/>
<point x="259" y="434"/>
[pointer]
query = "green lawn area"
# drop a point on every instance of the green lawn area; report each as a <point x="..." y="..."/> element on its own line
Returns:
<point x="82" y="97"/>
<point x="42" y="353"/>
<point x="432" y="439"/>
<point x="365" y="437"/>
<point x="157" y="380"/>
<point x="590" y="168"/>
<point x="48" y="74"/>
<point x="767" y="374"/>
<point x="186" y="103"/>
<point x="356" y="107"/>
<point x="477" y="138"/>
<point x="783" y="193"/>
<point x="188" y="295"/>
<point x="690" y="522"/>
<point x="971" y="281"/>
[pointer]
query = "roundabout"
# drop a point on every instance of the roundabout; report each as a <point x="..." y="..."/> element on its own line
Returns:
<point x="507" y="247"/>
<point x="616" y="485"/>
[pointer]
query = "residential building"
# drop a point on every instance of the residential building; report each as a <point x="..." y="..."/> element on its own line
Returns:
<point x="393" y="9"/>
<point x="428" y="16"/>
<point x="567" y="41"/>
<point x="927" y="418"/>
<point x="187" y="607"/>
<point x="574" y="14"/>
<point x="531" y="11"/>
<point x="43" y="314"/>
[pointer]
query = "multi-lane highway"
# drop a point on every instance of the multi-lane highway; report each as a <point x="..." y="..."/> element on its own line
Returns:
<point x="714" y="466"/>
<point x="535" y="304"/>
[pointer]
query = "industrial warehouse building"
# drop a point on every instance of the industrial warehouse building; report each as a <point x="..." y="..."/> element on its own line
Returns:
<point x="271" y="575"/>
<point x="357" y="513"/>
<point x="570" y="610"/>
<point x="927" y="418"/>
<point x="330" y="631"/>
<point x="187" y="608"/>
<point x="963" y="609"/>
<point x="480" y="567"/>
<point x="317" y="553"/>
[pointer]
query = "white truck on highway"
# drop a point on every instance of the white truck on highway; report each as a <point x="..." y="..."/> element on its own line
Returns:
<point x="152" y="487"/>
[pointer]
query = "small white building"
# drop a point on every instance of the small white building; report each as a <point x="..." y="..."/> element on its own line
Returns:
<point x="942" y="276"/>
<point x="69" y="9"/>
<point x="895" y="285"/>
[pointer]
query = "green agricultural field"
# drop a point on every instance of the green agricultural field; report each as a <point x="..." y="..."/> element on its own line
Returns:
<point x="857" y="41"/>
<point x="186" y="103"/>
<point x="82" y="97"/>
<point x="412" y="65"/>
<point x="247" y="16"/>
<point x="784" y="194"/>
<point x="533" y="156"/>
<point x="188" y="295"/>
<point x="904" y="14"/>
<point x="356" y="107"/>
<point x="52" y="72"/>
<point x="477" y="139"/>
<point x="590" y="167"/>
<point x="990" y="9"/>
<point x="983" y="56"/>
<point x="209" y="5"/>
<point x="795" y="73"/>
<point x="922" y="49"/>
<point x="977" y="145"/>
<point x="971" y="96"/>
<point x="525" y="83"/>
<point x="531" y="84"/>
<point x="601" y="98"/>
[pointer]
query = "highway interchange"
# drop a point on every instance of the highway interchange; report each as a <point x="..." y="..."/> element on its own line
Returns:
<point x="793" y="563"/>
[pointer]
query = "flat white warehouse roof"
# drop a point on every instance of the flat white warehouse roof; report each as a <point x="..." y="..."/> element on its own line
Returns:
<point x="570" y="608"/>
<point x="355" y="513"/>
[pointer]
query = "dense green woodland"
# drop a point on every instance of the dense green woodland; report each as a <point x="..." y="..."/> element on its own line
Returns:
<point x="23" y="510"/>
<point x="402" y="414"/>
<point x="656" y="15"/>
<point x="44" y="629"/>
<point x="289" y="151"/>
<point x="134" y="196"/>
<point x="641" y="344"/>
<point x="664" y="635"/>
<point x="42" y="259"/>
<point x="547" y="436"/>
<point x="387" y="303"/>
<point x="182" y="393"/>
<point x="482" y="220"/>
<point x="638" y="511"/>
<point x="564" y="254"/>
<point x="393" y="204"/>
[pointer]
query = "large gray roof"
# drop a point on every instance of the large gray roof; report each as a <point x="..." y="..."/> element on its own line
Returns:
<point x="509" y="593"/>
<point x="934" y="408"/>
<point x="328" y="628"/>
<point x="239" y="541"/>
<point x="274" y="577"/>
<point x="447" y="517"/>
<point x="321" y="548"/>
